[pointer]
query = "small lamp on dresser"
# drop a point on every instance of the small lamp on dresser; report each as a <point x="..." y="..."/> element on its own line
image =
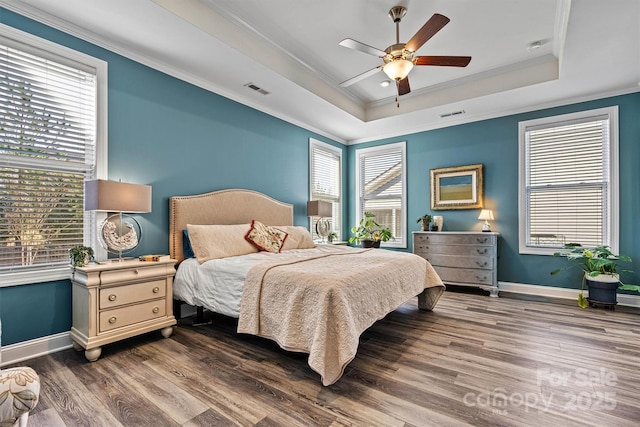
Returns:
<point x="486" y="215"/>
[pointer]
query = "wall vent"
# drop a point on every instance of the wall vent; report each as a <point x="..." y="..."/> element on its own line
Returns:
<point x="453" y="113"/>
<point x="257" y="88"/>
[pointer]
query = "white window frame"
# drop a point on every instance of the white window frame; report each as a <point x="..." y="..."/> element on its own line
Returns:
<point x="397" y="242"/>
<point x="46" y="49"/>
<point x="611" y="232"/>
<point x="338" y="216"/>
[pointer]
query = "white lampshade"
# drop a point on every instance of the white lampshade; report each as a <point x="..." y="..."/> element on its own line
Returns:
<point x="398" y="69"/>
<point x="486" y="214"/>
<point x="319" y="208"/>
<point x="115" y="196"/>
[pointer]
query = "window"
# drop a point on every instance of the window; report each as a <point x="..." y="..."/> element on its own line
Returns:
<point x="381" y="188"/>
<point x="569" y="181"/>
<point x="325" y="169"/>
<point x="48" y="147"/>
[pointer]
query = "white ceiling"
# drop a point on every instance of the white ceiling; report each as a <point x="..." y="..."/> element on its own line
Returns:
<point x="289" y="48"/>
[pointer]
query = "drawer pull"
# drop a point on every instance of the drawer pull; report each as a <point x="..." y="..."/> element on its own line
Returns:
<point x="481" y="278"/>
<point x="482" y="251"/>
<point x="156" y="290"/>
<point x="155" y="310"/>
<point x="136" y="271"/>
<point x="481" y="264"/>
<point x="112" y="297"/>
<point x="113" y="320"/>
<point x="481" y="239"/>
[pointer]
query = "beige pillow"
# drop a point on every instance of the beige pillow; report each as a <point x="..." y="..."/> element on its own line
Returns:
<point x="219" y="241"/>
<point x="266" y="238"/>
<point x="298" y="238"/>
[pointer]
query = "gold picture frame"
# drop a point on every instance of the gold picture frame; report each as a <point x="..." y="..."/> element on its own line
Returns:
<point x="457" y="187"/>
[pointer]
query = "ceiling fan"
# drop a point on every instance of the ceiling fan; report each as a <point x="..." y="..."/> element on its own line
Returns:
<point x="399" y="58"/>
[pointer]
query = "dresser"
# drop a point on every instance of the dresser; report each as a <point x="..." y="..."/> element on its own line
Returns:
<point x="461" y="258"/>
<point x="117" y="300"/>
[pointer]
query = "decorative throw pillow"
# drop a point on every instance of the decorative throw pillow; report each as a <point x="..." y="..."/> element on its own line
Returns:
<point x="266" y="238"/>
<point x="219" y="241"/>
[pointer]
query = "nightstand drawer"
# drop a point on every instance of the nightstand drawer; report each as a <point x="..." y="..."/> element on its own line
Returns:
<point x="117" y="318"/>
<point x="123" y="275"/>
<point x="121" y="295"/>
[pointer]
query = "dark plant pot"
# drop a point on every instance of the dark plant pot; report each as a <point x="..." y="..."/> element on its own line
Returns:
<point x="433" y="228"/>
<point x="425" y="225"/>
<point x="371" y="243"/>
<point x="602" y="292"/>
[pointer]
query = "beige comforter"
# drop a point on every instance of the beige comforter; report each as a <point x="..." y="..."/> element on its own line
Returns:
<point x="321" y="304"/>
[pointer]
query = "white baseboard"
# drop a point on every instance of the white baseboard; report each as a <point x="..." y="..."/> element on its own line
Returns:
<point x="15" y="353"/>
<point x="561" y="293"/>
<point x="25" y="350"/>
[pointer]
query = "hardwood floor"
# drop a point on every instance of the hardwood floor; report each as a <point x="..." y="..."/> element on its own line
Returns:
<point x="475" y="361"/>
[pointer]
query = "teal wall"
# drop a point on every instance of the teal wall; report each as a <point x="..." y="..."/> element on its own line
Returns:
<point x="185" y="140"/>
<point x="180" y="139"/>
<point x="494" y="143"/>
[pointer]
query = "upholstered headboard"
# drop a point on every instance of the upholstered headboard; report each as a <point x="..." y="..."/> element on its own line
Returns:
<point x="222" y="207"/>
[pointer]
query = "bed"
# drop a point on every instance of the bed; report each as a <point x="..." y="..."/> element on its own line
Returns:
<point x="316" y="299"/>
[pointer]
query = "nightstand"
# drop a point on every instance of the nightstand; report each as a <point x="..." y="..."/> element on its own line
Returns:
<point x="117" y="300"/>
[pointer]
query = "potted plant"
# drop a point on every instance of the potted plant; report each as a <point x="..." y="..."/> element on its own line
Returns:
<point x="369" y="232"/>
<point x="424" y="221"/>
<point x="80" y="255"/>
<point x="601" y="275"/>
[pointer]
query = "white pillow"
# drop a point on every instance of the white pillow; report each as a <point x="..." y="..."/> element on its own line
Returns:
<point x="298" y="238"/>
<point x="219" y="241"/>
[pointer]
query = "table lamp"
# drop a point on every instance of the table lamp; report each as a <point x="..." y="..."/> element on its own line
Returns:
<point x="321" y="209"/>
<point x="118" y="233"/>
<point x="486" y="215"/>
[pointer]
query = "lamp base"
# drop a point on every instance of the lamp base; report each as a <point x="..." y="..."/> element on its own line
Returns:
<point x="486" y="227"/>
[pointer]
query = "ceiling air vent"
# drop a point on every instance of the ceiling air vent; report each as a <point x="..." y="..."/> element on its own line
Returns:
<point x="257" y="88"/>
<point x="453" y="113"/>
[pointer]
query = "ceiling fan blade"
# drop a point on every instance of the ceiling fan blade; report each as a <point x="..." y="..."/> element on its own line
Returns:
<point x="445" y="61"/>
<point x="428" y="30"/>
<point x="359" y="77"/>
<point x="403" y="86"/>
<point x="365" y="48"/>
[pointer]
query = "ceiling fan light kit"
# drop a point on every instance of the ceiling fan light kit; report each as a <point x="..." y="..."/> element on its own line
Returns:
<point x="399" y="58"/>
<point x="398" y="69"/>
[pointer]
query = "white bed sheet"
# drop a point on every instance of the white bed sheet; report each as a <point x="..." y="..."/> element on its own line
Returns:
<point x="217" y="284"/>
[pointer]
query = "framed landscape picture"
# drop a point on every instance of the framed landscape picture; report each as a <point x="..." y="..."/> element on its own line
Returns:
<point x="457" y="187"/>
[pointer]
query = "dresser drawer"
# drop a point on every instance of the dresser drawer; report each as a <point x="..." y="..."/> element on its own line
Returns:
<point x="478" y="262"/>
<point x="122" y="295"/>
<point x="423" y="249"/>
<point x="123" y="275"/>
<point x="470" y="276"/>
<point x="119" y="317"/>
<point x="454" y="239"/>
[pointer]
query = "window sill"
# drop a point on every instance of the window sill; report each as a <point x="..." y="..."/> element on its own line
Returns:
<point x="35" y="276"/>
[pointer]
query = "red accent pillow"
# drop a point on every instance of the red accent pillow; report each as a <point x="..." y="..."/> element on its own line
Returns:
<point x="266" y="238"/>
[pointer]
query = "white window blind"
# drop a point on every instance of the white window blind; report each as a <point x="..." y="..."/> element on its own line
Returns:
<point x="325" y="169"/>
<point x="381" y="188"/>
<point x="47" y="149"/>
<point x="568" y="181"/>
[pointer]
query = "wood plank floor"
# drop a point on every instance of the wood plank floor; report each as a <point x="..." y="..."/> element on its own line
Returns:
<point x="475" y="361"/>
